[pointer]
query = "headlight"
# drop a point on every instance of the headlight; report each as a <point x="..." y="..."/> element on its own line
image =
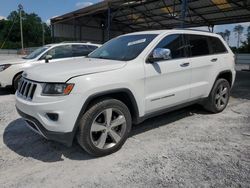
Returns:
<point x="57" y="89"/>
<point x="3" y="67"/>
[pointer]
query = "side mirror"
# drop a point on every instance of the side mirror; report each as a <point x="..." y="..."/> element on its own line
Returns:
<point x="160" y="54"/>
<point x="47" y="58"/>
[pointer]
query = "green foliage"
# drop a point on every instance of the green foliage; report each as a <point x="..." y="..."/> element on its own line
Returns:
<point x="245" y="47"/>
<point x="32" y="31"/>
<point x="238" y="30"/>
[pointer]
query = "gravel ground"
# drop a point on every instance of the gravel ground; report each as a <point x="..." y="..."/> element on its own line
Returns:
<point x="185" y="148"/>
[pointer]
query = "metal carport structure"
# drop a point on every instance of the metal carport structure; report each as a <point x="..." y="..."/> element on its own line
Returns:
<point x="104" y="20"/>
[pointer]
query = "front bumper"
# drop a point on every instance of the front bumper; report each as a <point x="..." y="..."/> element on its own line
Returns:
<point x="36" y="126"/>
<point x="54" y="117"/>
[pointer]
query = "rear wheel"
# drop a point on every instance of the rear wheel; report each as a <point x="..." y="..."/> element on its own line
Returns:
<point x="104" y="127"/>
<point x="219" y="96"/>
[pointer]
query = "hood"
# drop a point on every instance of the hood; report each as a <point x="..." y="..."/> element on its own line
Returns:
<point x="61" y="71"/>
<point x="12" y="60"/>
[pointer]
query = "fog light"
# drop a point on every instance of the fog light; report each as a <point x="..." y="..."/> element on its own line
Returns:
<point x="52" y="116"/>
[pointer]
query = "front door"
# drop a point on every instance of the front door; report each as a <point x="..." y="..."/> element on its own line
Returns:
<point x="167" y="82"/>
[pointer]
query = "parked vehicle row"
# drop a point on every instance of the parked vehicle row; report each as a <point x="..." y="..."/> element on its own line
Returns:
<point x="11" y="70"/>
<point x="127" y="80"/>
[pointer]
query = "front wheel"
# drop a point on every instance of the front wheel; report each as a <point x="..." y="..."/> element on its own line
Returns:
<point x="219" y="96"/>
<point x="104" y="127"/>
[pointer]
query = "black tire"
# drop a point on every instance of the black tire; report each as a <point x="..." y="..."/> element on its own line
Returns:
<point x="99" y="109"/>
<point x="212" y="103"/>
<point x="16" y="80"/>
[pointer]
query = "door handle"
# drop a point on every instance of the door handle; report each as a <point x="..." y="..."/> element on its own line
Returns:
<point x="184" y="64"/>
<point x="214" y="60"/>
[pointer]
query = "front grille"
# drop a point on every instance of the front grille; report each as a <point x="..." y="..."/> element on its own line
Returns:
<point x="26" y="89"/>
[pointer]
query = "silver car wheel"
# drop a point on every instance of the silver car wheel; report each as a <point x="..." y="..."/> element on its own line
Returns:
<point x="221" y="97"/>
<point x="108" y="128"/>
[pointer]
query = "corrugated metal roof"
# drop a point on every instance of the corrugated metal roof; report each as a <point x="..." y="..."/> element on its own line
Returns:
<point x="159" y="14"/>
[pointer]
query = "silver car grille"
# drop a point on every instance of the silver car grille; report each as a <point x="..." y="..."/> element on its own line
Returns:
<point x="26" y="89"/>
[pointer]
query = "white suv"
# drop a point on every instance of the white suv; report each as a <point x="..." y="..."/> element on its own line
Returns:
<point x="11" y="70"/>
<point x="129" y="79"/>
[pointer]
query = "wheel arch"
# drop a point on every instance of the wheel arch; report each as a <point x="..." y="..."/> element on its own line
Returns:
<point x="226" y="74"/>
<point x="14" y="77"/>
<point x="122" y="94"/>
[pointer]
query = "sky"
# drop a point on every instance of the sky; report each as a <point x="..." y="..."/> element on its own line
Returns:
<point x="47" y="9"/>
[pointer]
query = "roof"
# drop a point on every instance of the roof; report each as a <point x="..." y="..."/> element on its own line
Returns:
<point x="157" y="14"/>
<point x="76" y="43"/>
<point x="173" y="31"/>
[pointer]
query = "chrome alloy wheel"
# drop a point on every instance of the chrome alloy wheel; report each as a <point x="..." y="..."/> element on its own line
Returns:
<point x="108" y="128"/>
<point x="221" y="97"/>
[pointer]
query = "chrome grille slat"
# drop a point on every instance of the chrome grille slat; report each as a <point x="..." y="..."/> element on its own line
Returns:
<point x="23" y="88"/>
<point x="26" y="89"/>
<point x="20" y="84"/>
<point x="30" y="90"/>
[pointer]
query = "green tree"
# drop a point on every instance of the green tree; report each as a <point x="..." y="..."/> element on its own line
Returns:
<point x="238" y="30"/>
<point x="227" y="34"/>
<point x="32" y="30"/>
<point x="245" y="47"/>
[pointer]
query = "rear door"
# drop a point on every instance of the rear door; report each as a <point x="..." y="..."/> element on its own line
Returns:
<point x="205" y="55"/>
<point x="167" y="82"/>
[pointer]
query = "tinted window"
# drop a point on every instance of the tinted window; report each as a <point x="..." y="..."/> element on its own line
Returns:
<point x="92" y="47"/>
<point x="175" y="44"/>
<point x="198" y="45"/>
<point x="60" y="52"/>
<point x="36" y="53"/>
<point x="123" y="48"/>
<point x="81" y="50"/>
<point x="216" y="45"/>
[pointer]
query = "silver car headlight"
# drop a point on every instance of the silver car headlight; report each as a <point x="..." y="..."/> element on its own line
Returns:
<point x="4" y="66"/>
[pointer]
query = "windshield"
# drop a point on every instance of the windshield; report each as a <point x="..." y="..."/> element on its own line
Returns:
<point x="123" y="48"/>
<point x="36" y="53"/>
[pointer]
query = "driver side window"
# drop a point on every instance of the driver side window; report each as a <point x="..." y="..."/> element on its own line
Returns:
<point x="59" y="52"/>
<point x="175" y="44"/>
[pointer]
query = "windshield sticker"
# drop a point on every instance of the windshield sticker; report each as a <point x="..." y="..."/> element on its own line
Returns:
<point x="137" y="42"/>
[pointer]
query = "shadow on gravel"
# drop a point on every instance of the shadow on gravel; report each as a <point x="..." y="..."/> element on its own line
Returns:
<point x="20" y="139"/>
<point x="167" y="118"/>
<point x="6" y="91"/>
<point x="241" y="88"/>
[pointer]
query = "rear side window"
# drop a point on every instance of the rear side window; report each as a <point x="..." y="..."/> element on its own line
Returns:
<point x="175" y="44"/>
<point x="216" y="45"/>
<point x="81" y="50"/>
<point x="91" y="47"/>
<point x="198" y="45"/>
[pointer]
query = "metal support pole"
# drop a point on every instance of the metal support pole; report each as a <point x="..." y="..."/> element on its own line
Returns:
<point x="109" y="22"/>
<point x="43" y="38"/>
<point x="80" y="37"/>
<point x="53" y="32"/>
<point x="21" y="24"/>
<point x="184" y="5"/>
<point x="75" y="29"/>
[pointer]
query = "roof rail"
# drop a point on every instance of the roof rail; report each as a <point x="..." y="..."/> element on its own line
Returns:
<point x="75" y="42"/>
<point x="193" y="30"/>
